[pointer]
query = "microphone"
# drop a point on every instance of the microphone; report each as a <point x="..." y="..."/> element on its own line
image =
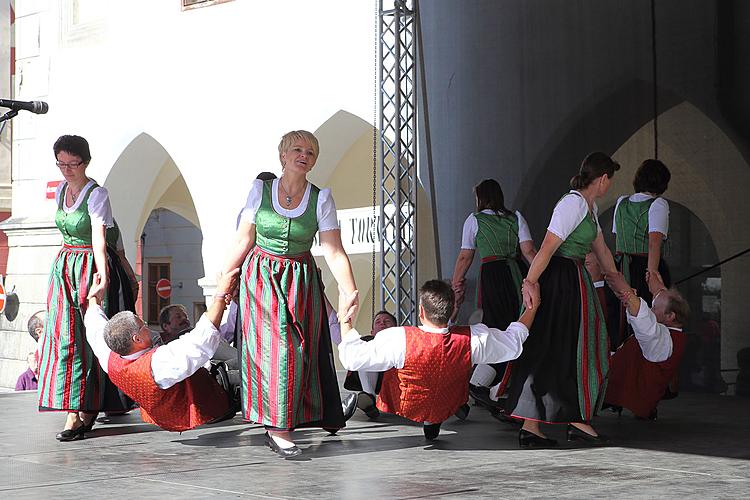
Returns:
<point x="38" y="107"/>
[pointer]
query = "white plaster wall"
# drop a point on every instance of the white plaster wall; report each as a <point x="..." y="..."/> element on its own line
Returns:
<point x="216" y="87"/>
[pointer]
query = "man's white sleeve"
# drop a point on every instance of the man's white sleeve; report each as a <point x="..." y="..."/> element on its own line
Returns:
<point x="387" y="350"/>
<point x="179" y="359"/>
<point x="491" y="345"/>
<point x="653" y="337"/>
<point x="94" y="322"/>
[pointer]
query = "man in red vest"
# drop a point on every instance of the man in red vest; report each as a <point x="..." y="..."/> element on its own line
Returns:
<point x="168" y="382"/>
<point x="429" y="367"/>
<point x="643" y="367"/>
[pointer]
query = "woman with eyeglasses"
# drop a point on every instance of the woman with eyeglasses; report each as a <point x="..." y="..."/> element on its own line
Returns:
<point x="70" y="379"/>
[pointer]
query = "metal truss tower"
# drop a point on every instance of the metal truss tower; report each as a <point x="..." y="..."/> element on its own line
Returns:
<point x="397" y="79"/>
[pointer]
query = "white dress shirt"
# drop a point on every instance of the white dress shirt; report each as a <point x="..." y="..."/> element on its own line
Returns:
<point x="653" y="337"/>
<point x="388" y="349"/>
<point x="171" y="363"/>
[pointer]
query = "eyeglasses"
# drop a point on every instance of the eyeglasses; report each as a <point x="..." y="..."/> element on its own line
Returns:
<point x="75" y="165"/>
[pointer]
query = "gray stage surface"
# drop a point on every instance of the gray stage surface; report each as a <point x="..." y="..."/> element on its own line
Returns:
<point x="699" y="447"/>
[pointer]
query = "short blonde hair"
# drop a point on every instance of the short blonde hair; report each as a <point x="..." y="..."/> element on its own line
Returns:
<point x="298" y="135"/>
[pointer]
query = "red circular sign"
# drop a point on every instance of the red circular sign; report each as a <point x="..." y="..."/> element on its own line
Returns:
<point x="2" y="298"/>
<point x="163" y="288"/>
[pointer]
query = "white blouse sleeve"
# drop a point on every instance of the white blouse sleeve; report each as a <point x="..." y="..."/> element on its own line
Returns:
<point x="252" y="203"/>
<point x="99" y="207"/>
<point x="658" y="217"/>
<point x="326" y="210"/>
<point x="469" y="234"/>
<point x="568" y="213"/>
<point x="58" y="192"/>
<point x="614" y="214"/>
<point x="523" y="229"/>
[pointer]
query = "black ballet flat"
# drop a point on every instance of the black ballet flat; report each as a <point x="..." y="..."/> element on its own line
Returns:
<point x="282" y="452"/>
<point x="574" y="433"/>
<point x="71" y="434"/>
<point x="431" y="431"/>
<point x="528" y="439"/>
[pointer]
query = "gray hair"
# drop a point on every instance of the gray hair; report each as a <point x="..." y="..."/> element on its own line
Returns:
<point x="35" y="321"/>
<point x="119" y="331"/>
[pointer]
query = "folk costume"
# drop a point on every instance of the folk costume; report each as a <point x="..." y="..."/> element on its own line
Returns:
<point x="644" y="366"/>
<point x="168" y="382"/>
<point x="429" y="368"/>
<point x="69" y="375"/>
<point x="289" y="379"/>
<point x="561" y="375"/>
<point x="496" y="237"/>
<point x="634" y="218"/>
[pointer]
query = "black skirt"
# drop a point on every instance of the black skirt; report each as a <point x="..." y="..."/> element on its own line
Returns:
<point x="499" y="298"/>
<point x="119" y="298"/>
<point x="561" y="375"/>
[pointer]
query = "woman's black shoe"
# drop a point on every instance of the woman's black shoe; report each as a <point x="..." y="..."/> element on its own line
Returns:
<point x="528" y="439"/>
<point x="431" y="431"/>
<point x="282" y="452"/>
<point x="349" y="406"/>
<point x="71" y="434"/>
<point x="576" y="433"/>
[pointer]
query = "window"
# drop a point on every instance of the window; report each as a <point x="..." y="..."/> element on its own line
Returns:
<point x="157" y="271"/>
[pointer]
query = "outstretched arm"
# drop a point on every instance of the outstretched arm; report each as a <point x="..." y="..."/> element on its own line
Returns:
<point x="463" y="263"/>
<point x="341" y="268"/>
<point x="94" y="322"/>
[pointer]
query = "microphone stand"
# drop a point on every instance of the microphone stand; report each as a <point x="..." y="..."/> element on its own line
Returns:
<point x="7" y="116"/>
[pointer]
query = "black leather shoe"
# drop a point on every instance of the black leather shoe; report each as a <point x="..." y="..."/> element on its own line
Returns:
<point x="282" y="452"/>
<point x="431" y="431"/>
<point x="349" y="406"/>
<point x="574" y="433"/>
<point x="528" y="439"/>
<point x="71" y="434"/>
<point x="463" y="412"/>
<point x="482" y="397"/>
<point x="501" y="416"/>
<point x="366" y="403"/>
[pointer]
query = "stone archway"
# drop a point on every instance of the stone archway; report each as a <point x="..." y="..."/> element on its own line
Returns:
<point x="709" y="176"/>
<point x="147" y="190"/>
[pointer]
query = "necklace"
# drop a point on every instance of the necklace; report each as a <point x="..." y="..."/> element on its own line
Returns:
<point x="287" y="196"/>
<point x="74" y="196"/>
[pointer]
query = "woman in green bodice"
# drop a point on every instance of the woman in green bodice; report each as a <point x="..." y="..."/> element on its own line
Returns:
<point x="501" y="237"/>
<point x="561" y="375"/>
<point x="70" y="379"/>
<point x="288" y="376"/>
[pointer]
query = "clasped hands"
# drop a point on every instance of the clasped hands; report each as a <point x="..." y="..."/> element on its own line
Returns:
<point x="348" y="305"/>
<point x="530" y="293"/>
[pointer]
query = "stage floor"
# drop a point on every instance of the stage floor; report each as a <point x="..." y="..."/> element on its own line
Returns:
<point x="699" y="447"/>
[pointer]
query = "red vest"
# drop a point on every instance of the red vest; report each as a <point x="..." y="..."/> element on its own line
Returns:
<point x="638" y="384"/>
<point x="195" y="401"/>
<point x="434" y="381"/>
